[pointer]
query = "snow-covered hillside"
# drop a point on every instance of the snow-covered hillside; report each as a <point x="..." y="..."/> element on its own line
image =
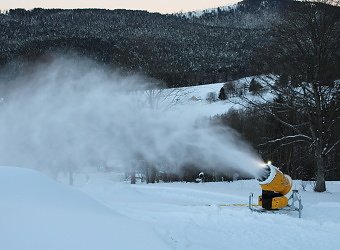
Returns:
<point x="38" y="213"/>
<point x="198" y="13"/>
<point x="194" y="98"/>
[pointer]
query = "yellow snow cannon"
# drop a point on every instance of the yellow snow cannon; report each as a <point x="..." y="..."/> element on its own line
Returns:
<point x="275" y="185"/>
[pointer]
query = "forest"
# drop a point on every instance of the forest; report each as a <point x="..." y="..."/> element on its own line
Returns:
<point x="179" y="49"/>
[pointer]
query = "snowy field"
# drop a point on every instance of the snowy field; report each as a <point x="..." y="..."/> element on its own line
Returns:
<point x="194" y="98"/>
<point x="103" y="212"/>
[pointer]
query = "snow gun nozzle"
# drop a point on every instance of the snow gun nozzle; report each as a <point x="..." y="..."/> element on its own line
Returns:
<point x="265" y="173"/>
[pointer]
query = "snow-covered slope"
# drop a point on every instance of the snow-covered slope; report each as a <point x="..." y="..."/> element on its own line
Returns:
<point x="198" y="13"/>
<point x="39" y="214"/>
<point x="194" y="98"/>
<point x="181" y="215"/>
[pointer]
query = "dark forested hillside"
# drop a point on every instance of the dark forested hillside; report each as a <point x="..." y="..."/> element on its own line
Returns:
<point x="177" y="49"/>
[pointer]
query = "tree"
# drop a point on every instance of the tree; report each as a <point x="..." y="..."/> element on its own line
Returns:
<point x="211" y="97"/>
<point x="158" y="97"/>
<point x="305" y="46"/>
<point x="230" y="89"/>
<point x="222" y="95"/>
<point x="133" y="176"/>
<point x="255" y="87"/>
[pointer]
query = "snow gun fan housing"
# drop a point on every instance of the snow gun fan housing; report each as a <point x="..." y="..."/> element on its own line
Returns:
<point x="275" y="185"/>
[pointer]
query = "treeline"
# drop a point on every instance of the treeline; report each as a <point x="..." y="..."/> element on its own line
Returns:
<point x="148" y="173"/>
<point x="179" y="50"/>
<point x="295" y="159"/>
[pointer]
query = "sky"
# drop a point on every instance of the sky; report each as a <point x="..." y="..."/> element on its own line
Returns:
<point x="163" y="6"/>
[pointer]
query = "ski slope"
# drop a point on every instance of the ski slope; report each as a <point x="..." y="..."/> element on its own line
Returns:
<point x="193" y="98"/>
<point x="39" y="214"/>
<point x="103" y="212"/>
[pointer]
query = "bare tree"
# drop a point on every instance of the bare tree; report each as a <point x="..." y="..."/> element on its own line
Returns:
<point x="305" y="47"/>
<point x="163" y="99"/>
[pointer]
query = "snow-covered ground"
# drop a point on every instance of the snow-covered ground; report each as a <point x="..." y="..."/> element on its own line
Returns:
<point x="193" y="98"/>
<point x="39" y="214"/>
<point x="103" y="212"/>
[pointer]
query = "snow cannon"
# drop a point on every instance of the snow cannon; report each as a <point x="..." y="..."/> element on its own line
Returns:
<point x="275" y="185"/>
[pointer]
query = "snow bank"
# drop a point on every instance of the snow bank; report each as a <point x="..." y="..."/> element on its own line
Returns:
<point x="37" y="213"/>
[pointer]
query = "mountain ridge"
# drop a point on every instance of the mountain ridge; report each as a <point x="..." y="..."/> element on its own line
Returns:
<point x="174" y="49"/>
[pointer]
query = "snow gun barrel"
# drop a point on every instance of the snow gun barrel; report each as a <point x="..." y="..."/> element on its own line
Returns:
<point x="275" y="185"/>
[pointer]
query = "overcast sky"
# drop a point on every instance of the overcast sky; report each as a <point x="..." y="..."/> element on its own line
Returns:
<point x="163" y="6"/>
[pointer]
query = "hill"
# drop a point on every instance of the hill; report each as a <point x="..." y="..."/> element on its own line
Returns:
<point x="177" y="49"/>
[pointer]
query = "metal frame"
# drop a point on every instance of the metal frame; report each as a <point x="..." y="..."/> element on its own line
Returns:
<point x="293" y="198"/>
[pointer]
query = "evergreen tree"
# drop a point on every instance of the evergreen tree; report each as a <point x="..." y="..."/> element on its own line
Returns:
<point x="222" y="95"/>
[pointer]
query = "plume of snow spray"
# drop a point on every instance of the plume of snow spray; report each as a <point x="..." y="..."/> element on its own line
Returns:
<point x="72" y="113"/>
